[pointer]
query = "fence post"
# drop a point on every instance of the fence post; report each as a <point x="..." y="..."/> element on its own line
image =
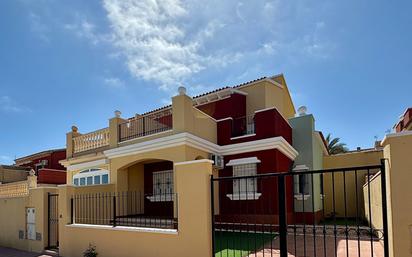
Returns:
<point x="384" y="210"/>
<point x="114" y="210"/>
<point x="48" y="219"/>
<point x="212" y="202"/>
<point x="283" y="243"/>
<point x="71" y="210"/>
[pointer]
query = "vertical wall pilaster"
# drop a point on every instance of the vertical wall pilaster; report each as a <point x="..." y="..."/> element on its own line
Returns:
<point x="194" y="204"/>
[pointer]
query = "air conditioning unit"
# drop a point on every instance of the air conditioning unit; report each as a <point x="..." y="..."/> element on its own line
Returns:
<point x="218" y="161"/>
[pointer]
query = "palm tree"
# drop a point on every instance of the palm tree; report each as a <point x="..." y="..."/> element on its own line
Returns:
<point x="334" y="146"/>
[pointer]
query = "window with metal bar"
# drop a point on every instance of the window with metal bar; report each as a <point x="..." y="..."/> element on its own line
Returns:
<point x="244" y="189"/>
<point x="162" y="186"/>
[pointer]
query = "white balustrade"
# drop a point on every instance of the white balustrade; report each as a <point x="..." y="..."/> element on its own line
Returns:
<point x="92" y="140"/>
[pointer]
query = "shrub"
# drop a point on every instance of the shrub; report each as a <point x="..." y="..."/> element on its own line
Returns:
<point x="90" y="251"/>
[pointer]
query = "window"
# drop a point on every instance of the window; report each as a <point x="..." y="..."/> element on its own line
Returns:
<point x="91" y="177"/>
<point x="248" y="185"/>
<point x="301" y="182"/>
<point x="245" y="189"/>
<point x="162" y="186"/>
<point x="105" y="179"/>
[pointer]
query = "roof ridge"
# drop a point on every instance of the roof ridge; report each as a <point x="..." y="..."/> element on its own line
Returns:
<point x="213" y="91"/>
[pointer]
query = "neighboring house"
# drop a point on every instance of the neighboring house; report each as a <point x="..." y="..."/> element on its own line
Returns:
<point x="246" y="129"/>
<point x="46" y="166"/>
<point x="12" y="173"/>
<point x="405" y="121"/>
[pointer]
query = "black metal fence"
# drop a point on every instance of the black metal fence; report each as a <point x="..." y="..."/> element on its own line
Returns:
<point x="130" y="209"/>
<point x="52" y="221"/>
<point x="307" y="213"/>
<point x="243" y="126"/>
<point x="146" y="125"/>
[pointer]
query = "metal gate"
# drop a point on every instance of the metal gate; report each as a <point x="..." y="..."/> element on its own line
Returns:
<point x="335" y="212"/>
<point x="53" y="221"/>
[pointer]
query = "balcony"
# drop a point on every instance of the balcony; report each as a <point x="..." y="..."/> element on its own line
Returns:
<point x="262" y="124"/>
<point x="141" y="126"/>
<point x="180" y="117"/>
<point x="243" y="126"/>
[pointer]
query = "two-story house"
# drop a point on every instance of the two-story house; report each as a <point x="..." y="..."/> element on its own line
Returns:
<point x="245" y="129"/>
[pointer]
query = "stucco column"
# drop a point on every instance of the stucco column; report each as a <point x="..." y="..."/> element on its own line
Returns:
<point x="65" y="195"/>
<point x="114" y="129"/>
<point x="69" y="141"/>
<point x="182" y="107"/>
<point x="194" y="205"/>
<point x="397" y="152"/>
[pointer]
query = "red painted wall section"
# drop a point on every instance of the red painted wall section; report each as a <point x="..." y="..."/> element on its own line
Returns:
<point x="52" y="160"/>
<point x="50" y="176"/>
<point x="407" y="119"/>
<point x="157" y="209"/>
<point x="224" y="132"/>
<point x="233" y="106"/>
<point x="266" y="207"/>
<point x="268" y="123"/>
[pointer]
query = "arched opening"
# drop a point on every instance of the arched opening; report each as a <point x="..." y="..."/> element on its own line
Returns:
<point x="150" y="184"/>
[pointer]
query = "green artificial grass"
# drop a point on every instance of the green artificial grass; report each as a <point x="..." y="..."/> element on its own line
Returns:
<point x="239" y="244"/>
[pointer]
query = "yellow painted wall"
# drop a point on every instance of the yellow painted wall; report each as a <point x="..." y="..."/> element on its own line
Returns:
<point x="355" y="159"/>
<point x="374" y="190"/>
<point x="397" y="151"/>
<point x="193" y="237"/>
<point x="13" y="219"/>
<point x="264" y="95"/>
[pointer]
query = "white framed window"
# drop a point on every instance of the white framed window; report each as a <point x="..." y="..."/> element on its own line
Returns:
<point x="162" y="186"/>
<point x="90" y="177"/>
<point x="244" y="188"/>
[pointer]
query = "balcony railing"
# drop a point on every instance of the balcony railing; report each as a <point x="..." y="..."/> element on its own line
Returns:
<point x="92" y="140"/>
<point x="141" y="126"/>
<point x="243" y="126"/>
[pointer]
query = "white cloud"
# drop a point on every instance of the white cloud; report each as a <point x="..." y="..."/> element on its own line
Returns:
<point x="38" y="27"/>
<point x="8" y="105"/>
<point x="83" y="28"/>
<point x="113" y="82"/>
<point x="169" y="41"/>
<point x="148" y="34"/>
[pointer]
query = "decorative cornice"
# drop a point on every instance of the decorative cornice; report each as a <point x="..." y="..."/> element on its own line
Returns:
<point x="196" y="142"/>
<point x="86" y="165"/>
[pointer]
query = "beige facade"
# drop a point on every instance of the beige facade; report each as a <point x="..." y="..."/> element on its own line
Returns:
<point x="193" y="235"/>
<point x="13" y="220"/>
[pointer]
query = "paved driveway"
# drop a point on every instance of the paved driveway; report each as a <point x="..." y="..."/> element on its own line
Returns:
<point x="8" y="252"/>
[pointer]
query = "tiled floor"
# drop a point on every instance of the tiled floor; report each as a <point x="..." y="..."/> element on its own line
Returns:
<point x="8" y="252"/>
<point x="328" y="244"/>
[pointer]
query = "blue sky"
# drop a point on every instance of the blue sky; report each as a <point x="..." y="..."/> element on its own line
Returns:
<point x="75" y="62"/>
